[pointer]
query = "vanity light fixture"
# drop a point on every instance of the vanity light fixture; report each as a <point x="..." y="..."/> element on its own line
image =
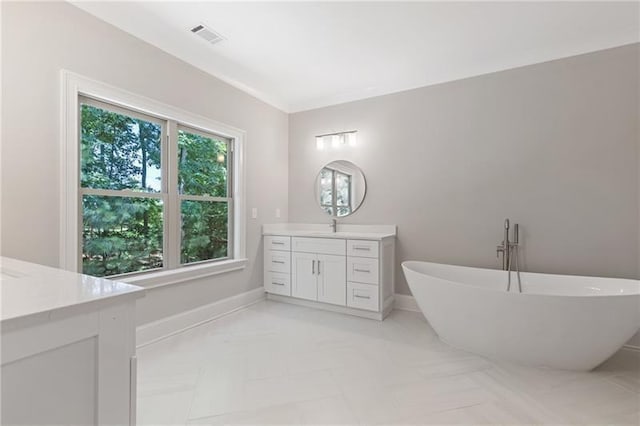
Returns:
<point x="336" y="140"/>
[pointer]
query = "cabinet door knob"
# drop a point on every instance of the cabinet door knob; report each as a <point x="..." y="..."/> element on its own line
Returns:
<point x="313" y="267"/>
<point x="318" y="267"/>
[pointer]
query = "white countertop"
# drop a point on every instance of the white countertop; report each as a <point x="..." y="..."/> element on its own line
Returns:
<point x="30" y="290"/>
<point x="344" y="231"/>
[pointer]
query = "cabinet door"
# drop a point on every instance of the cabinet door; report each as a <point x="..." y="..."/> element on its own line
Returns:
<point x="304" y="276"/>
<point x="332" y="279"/>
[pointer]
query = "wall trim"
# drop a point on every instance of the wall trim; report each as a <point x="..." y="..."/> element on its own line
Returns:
<point x="405" y="302"/>
<point x="373" y="315"/>
<point x="175" y="324"/>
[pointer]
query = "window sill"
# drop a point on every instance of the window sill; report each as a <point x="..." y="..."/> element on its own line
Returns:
<point x="187" y="273"/>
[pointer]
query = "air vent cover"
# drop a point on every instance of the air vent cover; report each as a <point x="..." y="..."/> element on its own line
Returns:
<point x="209" y="35"/>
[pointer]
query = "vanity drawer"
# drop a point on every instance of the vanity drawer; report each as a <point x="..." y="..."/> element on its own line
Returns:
<point x="362" y="296"/>
<point x="362" y="270"/>
<point x="362" y="248"/>
<point x="277" y="283"/>
<point x="319" y="245"/>
<point x="277" y="261"/>
<point x="277" y="243"/>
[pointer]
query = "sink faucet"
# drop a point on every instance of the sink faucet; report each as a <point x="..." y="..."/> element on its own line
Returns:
<point x="333" y="225"/>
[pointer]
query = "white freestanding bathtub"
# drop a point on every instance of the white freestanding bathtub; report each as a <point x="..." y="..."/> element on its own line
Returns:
<point x="558" y="321"/>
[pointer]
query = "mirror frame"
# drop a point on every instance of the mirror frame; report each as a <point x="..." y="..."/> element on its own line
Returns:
<point x="317" y="188"/>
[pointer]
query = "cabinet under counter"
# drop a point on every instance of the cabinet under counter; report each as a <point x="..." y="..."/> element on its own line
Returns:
<point x="350" y="271"/>
<point x="68" y="347"/>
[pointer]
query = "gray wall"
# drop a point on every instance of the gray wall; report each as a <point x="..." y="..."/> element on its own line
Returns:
<point x="39" y="39"/>
<point x="552" y="146"/>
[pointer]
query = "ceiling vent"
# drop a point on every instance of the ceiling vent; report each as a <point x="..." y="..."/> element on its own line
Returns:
<point x="209" y="35"/>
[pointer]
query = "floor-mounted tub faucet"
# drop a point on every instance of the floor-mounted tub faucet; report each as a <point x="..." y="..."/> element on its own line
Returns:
<point x="504" y="247"/>
<point x="509" y="250"/>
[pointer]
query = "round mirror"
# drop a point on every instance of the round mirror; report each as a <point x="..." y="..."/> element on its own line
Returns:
<point x="340" y="188"/>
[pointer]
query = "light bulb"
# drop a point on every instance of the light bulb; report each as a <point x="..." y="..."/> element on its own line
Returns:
<point x="319" y="143"/>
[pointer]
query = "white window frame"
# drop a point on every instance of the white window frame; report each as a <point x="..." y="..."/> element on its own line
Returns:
<point x="72" y="87"/>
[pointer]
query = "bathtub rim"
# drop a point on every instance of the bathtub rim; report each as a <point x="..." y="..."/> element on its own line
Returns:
<point x="514" y="293"/>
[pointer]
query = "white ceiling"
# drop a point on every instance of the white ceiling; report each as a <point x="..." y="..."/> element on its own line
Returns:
<point x="304" y="55"/>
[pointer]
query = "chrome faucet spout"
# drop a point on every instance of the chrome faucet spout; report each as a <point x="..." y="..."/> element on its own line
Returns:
<point x="333" y="225"/>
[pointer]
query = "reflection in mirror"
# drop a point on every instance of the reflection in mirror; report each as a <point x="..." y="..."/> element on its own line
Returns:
<point x="340" y="188"/>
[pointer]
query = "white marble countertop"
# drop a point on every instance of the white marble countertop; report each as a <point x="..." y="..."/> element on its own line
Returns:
<point x="30" y="290"/>
<point x="343" y="231"/>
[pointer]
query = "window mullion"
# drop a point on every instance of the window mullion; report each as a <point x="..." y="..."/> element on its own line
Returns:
<point x="173" y="228"/>
<point x="230" y="194"/>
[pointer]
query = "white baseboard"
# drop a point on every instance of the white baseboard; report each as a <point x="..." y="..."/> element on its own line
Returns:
<point x="165" y="327"/>
<point x="405" y="303"/>
<point x="328" y="307"/>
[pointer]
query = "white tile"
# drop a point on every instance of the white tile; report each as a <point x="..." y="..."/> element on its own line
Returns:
<point x="332" y="410"/>
<point x="220" y="389"/>
<point x="374" y="408"/>
<point x="453" y="366"/>
<point x="534" y="380"/>
<point x="624" y="362"/>
<point x="275" y="363"/>
<point x="169" y="408"/>
<point x="441" y="394"/>
<point x="594" y="401"/>
<point x="286" y="389"/>
<point x="486" y="413"/>
<point x="149" y="385"/>
<point x="274" y="415"/>
<point x="629" y="382"/>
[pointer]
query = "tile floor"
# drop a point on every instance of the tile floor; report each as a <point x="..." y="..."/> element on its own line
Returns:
<point x="275" y="363"/>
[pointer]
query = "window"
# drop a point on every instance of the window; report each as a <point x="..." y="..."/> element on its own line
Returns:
<point x="204" y="193"/>
<point x="149" y="192"/>
<point x="155" y="193"/>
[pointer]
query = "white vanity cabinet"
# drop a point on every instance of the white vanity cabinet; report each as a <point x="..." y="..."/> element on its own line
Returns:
<point x="68" y="347"/>
<point x="363" y="272"/>
<point x="318" y="270"/>
<point x="277" y="265"/>
<point x="349" y="271"/>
